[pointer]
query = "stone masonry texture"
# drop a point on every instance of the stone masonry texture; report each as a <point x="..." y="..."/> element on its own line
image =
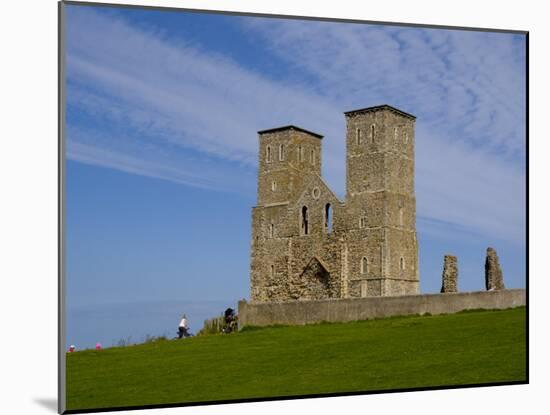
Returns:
<point x="307" y="244"/>
<point x="493" y="273"/>
<point x="450" y="275"/>
<point x="353" y="309"/>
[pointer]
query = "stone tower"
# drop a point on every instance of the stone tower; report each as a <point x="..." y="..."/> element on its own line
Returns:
<point x="306" y="243"/>
<point x="286" y="154"/>
<point x="289" y="160"/>
<point x="380" y="199"/>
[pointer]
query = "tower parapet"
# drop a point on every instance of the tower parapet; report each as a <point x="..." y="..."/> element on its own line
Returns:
<point x="285" y="155"/>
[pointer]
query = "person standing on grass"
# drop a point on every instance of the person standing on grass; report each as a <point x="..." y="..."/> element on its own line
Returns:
<point x="183" y="327"/>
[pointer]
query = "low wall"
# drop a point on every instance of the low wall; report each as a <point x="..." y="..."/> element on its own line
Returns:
<point x="351" y="309"/>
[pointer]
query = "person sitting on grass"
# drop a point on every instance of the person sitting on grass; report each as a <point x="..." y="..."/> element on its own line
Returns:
<point x="183" y="328"/>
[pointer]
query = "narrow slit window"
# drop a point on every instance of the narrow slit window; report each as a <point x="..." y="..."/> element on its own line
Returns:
<point x="405" y="137"/>
<point x="300" y="153"/>
<point x="363" y="222"/>
<point x="402" y="263"/>
<point x="328" y="218"/>
<point x="273" y="186"/>
<point x="305" y="224"/>
<point x="272" y="271"/>
<point x="400" y="216"/>
<point x="372" y="132"/>
<point x="364" y="265"/>
<point x="271" y="230"/>
<point x="358" y="136"/>
<point x="281" y="152"/>
<point x="268" y="154"/>
<point x="395" y="134"/>
<point x="313" y="157"/>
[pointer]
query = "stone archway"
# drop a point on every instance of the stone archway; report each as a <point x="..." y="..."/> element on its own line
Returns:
<point x="315" y="281"/>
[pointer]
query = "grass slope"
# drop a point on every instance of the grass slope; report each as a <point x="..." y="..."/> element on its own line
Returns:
<point x="403" y="352"/>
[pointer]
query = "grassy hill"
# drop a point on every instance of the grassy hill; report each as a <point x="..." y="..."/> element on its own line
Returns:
<point x="401" y="352"/>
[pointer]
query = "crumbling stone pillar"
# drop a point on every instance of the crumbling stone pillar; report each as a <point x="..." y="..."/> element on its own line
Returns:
<point x="450" y="275"/>
<point x="493" y="273"/>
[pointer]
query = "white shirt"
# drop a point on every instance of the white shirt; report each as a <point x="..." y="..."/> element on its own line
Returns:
<point x="183" y="322"/>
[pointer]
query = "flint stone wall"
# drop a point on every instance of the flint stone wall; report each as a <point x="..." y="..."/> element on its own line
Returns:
<point x="352" y="309"/>
<point x="493" y="272"/>
<point x="371" y="248"/>
<point x="450" y="275"/>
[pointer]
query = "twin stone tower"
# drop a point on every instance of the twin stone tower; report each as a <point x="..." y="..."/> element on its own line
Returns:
<point x="306" y="243"/>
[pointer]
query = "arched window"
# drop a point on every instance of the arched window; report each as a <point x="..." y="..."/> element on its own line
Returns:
<point x="358" y="136"/>
<point x="328" y="218"/>
<point x="364" y="265"/>
<point x="402" y="263"/>
<point x="273" y="186"/>
<point x="281" y="152"/>
<point x="372" y="133"/>
<point x="304" y="224"/>
<point x="268" y="154"/>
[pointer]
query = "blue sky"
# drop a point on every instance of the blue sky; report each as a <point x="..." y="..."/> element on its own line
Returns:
<point x="162" y="113"/>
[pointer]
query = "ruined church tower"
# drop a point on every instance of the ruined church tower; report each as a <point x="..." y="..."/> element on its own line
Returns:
<point x="306" y="243"/>
<point x="380" y="201"/>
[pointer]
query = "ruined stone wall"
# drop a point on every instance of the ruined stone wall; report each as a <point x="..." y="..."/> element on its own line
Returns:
<point x="401" y="287"/>
<point x="318" y="253"/>
<point x="306" y="266"/>
<point x="269" y="254"/>
<point x="352" y="309"/>
<point x="450" y="275"/>
<point x="493" y="272"/>
<point x="371" y="248"/>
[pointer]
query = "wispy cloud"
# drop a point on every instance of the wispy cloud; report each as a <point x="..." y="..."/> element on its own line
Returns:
<point x="469" y="189"/>
<point x="190" y="173"/>
<point x="469" y="83"/>
<point x="181" y="95"/>
<point x="163" y="98"/>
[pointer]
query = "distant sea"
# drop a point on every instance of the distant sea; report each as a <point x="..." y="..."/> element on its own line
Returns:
<point x="108" y="324"/>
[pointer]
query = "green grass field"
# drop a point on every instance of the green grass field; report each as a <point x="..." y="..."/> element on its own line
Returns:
<point x="402" y="352"/>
